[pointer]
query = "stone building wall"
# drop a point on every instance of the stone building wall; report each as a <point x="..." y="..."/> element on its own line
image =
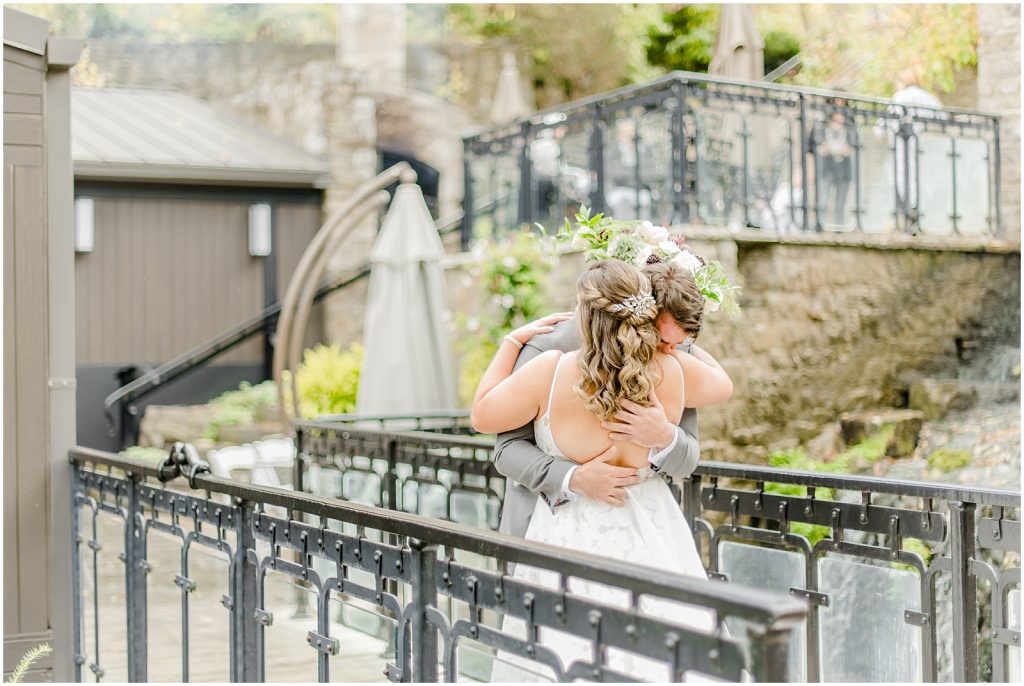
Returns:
<point x="999" y="92"/>
<point x="827" y="329"/>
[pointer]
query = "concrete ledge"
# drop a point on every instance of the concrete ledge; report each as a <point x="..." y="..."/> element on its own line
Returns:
<point x="965" y="244"/>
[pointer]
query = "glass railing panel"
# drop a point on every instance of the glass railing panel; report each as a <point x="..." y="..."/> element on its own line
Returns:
<point x="361" y="487"/>
<point x="769" y="568"/>
<point x="1013" y="622"/>
<point x="935" y="183"/>
<point x="163" y="612"/>
<point x="719" y="164"/>
<point x="209" y="622"/>
<point x="877" y="169"/>
<point x="366" y="640"/>
<point x="864" y="636"/>
<point x="104" y="633"/>
<point x="973" y="187"/>
<point x="769" y="165"/>
<point x="287" y="656"/>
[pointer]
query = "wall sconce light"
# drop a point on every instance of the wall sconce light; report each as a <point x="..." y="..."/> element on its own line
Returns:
<point x="260" y="229"/>
<point x="84" y="224"/>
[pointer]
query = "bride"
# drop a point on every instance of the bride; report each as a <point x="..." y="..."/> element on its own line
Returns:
<point x="567" y="396"/>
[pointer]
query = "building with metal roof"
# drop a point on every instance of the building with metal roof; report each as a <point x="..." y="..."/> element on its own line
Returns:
<point x="165" y="135"/>
<point x="188" y="221"/>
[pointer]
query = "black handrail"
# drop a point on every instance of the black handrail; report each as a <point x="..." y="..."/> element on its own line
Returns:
<point x="126" y="396"/>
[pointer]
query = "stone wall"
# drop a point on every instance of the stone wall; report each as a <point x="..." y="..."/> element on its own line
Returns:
<point x="826" y="329"/>
<point x="999" y="92"/>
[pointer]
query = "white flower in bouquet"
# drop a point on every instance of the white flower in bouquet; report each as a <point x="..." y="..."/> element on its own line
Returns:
<point x="509" y="262"/>
<point x="688" y="260"/>
<point x="653" y="234"/>
<point x="642" y="256"/>
<point x="669" y="248"/>
<point x="579" y="241"/>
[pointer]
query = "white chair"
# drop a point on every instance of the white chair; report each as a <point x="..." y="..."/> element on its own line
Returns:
<point x="234" y="458"/>
<point x="275" y="461"/>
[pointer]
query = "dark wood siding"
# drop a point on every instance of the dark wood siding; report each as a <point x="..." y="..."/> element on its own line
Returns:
<point x="296" y="226"/>
<point x="167" y="274"/>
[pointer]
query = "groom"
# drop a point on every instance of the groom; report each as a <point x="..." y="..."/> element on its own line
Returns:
<point x="530" y="472"/>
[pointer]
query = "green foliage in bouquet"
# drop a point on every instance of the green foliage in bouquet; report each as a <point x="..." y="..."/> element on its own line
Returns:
<point x="641" y="243"/>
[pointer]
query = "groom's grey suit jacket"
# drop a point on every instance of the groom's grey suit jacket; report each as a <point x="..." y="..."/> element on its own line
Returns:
<point x="530" y="472"/>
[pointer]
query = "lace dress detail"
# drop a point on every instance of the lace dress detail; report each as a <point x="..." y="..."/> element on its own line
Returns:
<point x="648" y="530"/>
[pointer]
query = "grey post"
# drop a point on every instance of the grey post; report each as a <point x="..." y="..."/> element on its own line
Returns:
<point x="422" y="635"/>
<point x="246" y="628"/>
<point x="135" y="584"/>
<point x="963" y="546"/>
<point x="769" y="647"/>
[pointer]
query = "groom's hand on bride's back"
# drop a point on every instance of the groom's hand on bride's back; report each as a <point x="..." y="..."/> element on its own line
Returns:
<point x="602" y="481"/>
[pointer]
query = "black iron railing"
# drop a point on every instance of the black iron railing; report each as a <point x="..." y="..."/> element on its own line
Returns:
<point x="907" y="581"/>
<point x="178" y="575"/>
<point x="689" y="148"/>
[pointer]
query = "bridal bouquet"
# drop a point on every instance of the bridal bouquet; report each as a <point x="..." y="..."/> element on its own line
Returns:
<point x="642" y="243"/>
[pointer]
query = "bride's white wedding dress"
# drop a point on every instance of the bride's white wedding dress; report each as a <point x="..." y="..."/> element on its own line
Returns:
<point x="649" y="530"/>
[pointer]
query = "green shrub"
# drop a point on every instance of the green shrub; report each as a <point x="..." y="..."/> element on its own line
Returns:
<point x="149" y="454"/>
<point x="948" y="459"/>
<point x="870" y="449"/>
<point x="328" y="379"/>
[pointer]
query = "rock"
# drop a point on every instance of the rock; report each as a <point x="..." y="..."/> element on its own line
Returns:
<point x="164" y="424"/>
<point x="802" y="429"/>
<point x="827" y="444"/>
<point x="752" y="435"/>
<point x="856" y="426"/>
<point x="247" y="433"/>
<point x="936" y="398"/>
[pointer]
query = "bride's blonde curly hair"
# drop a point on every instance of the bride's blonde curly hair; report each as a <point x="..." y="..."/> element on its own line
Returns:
<point x="617" y="342"/>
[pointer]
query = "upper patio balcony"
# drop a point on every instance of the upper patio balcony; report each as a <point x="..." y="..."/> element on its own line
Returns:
<point x="692" y="149"/>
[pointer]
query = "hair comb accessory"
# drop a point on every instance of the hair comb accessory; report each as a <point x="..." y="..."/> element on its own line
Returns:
<point x="636" y="304"/>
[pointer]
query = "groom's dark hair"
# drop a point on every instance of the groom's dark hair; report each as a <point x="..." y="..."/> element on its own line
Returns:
<point x="676" y="292"/>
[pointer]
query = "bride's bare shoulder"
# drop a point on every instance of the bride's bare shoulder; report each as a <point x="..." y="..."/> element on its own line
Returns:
<point x="670" y="387"/>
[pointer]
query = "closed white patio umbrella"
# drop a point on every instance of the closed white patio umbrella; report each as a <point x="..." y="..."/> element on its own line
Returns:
<point x="407" y="361"/>
<point x="739" y="49"/>
<point x="510" y="100"/>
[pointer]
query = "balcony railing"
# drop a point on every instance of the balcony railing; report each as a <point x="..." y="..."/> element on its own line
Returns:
<point x="907" y="581"/>
<point x="179" y="575"/>
<point x="688" y="148"/>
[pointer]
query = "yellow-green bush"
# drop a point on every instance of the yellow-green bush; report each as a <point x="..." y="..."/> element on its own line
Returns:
<point x="328" y="379"/>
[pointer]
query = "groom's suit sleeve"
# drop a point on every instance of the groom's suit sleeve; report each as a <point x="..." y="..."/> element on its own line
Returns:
<point x="683" y="457"/>
<point x="517" y="457"/>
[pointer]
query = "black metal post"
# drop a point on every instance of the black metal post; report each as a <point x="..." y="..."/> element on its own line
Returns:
<point x="997" y="181"/>
<point x="637" y="176"/>
<point x="803" y="159"/>
<point x="858" y="199"/>
<point x="135" y="584"/>
<point x="466" y="230"/>
<point x="525" y="182"/>
<point x="679" y="204"/>
<point x="769" y="647"/>
<point x="245" y="631"/>
<point x="424" y="595"/>
<point x="597" y="161"/>
<point x="963" y="542"/>
<point x="953" y="155"/>
<point x="745" y="135"/>
<point x="270" y="295"/>
<point x="76" y="576"/>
